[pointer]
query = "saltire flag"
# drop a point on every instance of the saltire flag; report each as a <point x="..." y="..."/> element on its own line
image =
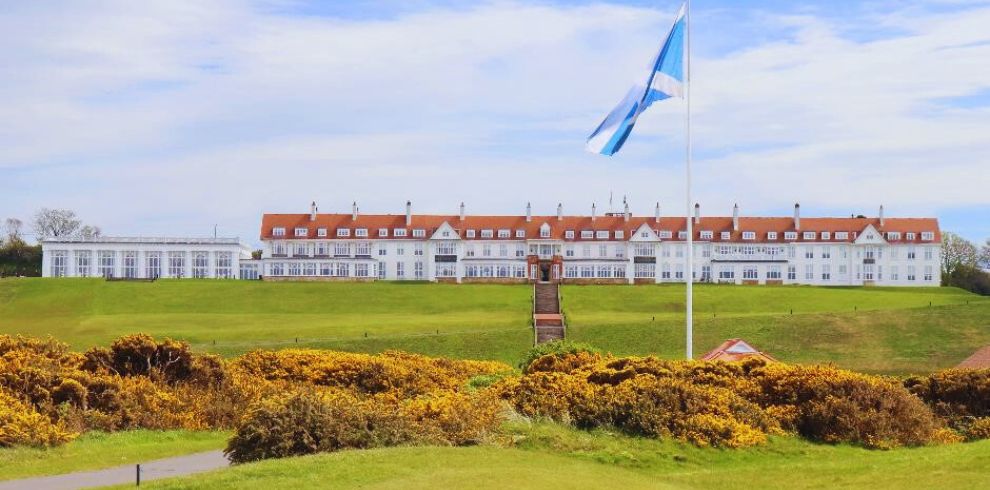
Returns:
<point x="666" y="80"/>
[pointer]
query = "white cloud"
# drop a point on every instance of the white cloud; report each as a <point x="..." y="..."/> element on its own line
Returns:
<point x="171" y="116"/>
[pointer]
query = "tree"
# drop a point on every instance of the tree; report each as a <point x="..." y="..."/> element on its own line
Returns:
<point x="52" y="223"/>
<point x="89" y="232"/>
<point x="985" y="255"/>
<point x="957" y="252"/>
<point x="12" y="230"/>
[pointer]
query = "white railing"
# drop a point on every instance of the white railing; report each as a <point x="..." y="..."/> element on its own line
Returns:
<point x="147" y="240"/>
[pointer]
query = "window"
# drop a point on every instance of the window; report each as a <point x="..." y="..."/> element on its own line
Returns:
<point x="520" y="233"/>
<point x="929" y="253"/>
<point x="446" y="248"/>
<point x="909" y="236"/>
<point x="326" y="269"/>
<point x="644" y="271"/>
<point x="418" y="249"/>
<point x="382" y="250"/>
<point x="201" y="264"/>
<point x="587" y="234"/>
<point x="60" y="263"/>
<point x="842" y="235"/>
<point x="826" y="235"/>
<point x="910" y="273"/>
<point x="910" y="253"/>
<point x="400" y="249"/>
<point x="503" y="250"/>
<point x="603" y="250"/>
<point x="321" y="232"/>
<point x="843" y="270"/>
<point x="446" y="270"/>
<point x="586" y="251"/>
<point x="826" y="252"/>
<point x="724" y="235"/>
<point x="487" y="233"/>
<point x="726" y="272"/>
<point x="706" y="235"/>
<point x="470" y="234"/>
<point x="771" y="235"/>
<point x="569" y="234"/>
<point x="399" y="232"/>
<point x="809" y="252"/>
<point x="469" y="250"/>
<point x="790" y="235"/>
<point x="792" y="273"/>
<point x="322" y="249"/>
<point x="486" y="250"/>
<point x="343" y="269"/>
<point x="105" y="263"/>
<point x="893" y="235"/>
<point x="520" y="250"/>
<point x="682" y="235"/>
<point x="277" y="269"/>
<point x="130" y="265"/>
<point x="773" y="272"/>
<point x="808" y="235"/>
<point x="928" y="273"/>
<point x="666" y="234"/>
<point x="361" y="270"/>
<point x="569" y="251"/>
<point x="342" y="249"/>
<point x="601" y="234"/>
<point x="894" y="276"/>
<point x="749" y="235"/>
<point x="343" y="232"/>
<point x="644" y="250"/>
<point x="176" y="264"/>
<point x="927" y="236"/>
<point x="867" y="272"/>
<point x="826" y="272"/>
<point x="309" y="269"/>
<point x="382" y="271"/>
<point x="300" y="250"/>
<point x="619" y="235"/>
<point x="418" y="270"/>
<point x="362" y="249"/>
<point x="419" y="233"/>
<point x="278" y="231"/>
<point x="750" y="272"/>
<point x="809" y="272"/>
<point x="295" y="269"/>
<point x="301" y="232"/>
<point x="383" y="232"/>
<point x="153" y="265"/>
<point x="503" y="233"/>
<point x="361" y="232"/>
<point x="665" y="271"/>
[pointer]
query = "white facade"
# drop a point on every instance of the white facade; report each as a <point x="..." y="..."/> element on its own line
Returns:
<point x="144" y="257"/>
<point x="613" y="249"/>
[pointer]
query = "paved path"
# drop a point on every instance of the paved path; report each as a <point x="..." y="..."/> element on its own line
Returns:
<point x="152" y="470"/>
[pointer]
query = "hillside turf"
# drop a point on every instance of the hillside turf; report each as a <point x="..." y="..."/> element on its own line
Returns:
<point x="884" y="330"/>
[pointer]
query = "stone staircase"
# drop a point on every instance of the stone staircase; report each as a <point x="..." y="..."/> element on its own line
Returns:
<point x="548" y="322"/>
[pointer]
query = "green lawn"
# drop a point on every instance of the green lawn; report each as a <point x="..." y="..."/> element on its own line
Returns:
<point x="96" y="450"/>
<point x="548" y="456"/>
<point x="881" y="330"/>
<point x="231" y="317"/>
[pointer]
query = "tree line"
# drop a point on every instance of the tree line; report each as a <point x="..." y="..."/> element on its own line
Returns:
<point x="965" y="265"/>
<point x="20" y="258"/>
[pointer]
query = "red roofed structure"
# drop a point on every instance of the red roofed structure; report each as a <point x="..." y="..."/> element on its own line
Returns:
<point x="734" y="350"/>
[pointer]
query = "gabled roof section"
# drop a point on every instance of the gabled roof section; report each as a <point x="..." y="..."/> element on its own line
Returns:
<point x="445" y="232"/>
<point x="870" y="236"/>
<point x="733" y="350"/>
<point x="651" y="234"/>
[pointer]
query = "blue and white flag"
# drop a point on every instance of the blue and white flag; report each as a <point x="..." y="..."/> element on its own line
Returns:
<point x="666" y="79"/>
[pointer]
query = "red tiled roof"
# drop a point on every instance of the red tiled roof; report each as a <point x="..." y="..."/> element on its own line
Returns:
<point x="979" y="360"/>
<point x="735" y="350"/>
<point x="761" y="226"/>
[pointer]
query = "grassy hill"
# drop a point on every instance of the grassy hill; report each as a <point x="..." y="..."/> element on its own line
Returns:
<point x="890" y="330"/>
<point x="549" y="456"/>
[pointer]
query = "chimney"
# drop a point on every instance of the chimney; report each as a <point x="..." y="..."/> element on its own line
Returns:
<point x="529" y="212"/>
<point x="560" y="212"/>
<point x="625" y="215"/>
<point x="697" y="214"/>
<point x="881" y="216"/>
<point x="592" y="212"/>
<point x="408" y="213"/>
<point x="656" y="213"/>
<point x="797" y="216"/>
<point x="312" y="211"/>
<point x="354" y="211"/>
<point x="462" y="210"/>
<point x="735" y="217"/>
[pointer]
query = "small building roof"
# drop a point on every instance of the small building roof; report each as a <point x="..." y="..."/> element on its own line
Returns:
<point x="979" y="360"/>
<point x="733" y="350"/>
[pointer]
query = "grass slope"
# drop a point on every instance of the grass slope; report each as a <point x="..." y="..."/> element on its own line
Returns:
<point x="436" y="319"/>
<point x="97" y="450"/>
<point x="550" y="456"/>
<point x="880" y="330"/>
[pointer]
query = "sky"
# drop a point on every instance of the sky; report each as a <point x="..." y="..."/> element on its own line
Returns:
<point x="172" y="117"/>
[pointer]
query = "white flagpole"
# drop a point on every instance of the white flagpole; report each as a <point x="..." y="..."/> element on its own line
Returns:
<point x="689" y="279"/>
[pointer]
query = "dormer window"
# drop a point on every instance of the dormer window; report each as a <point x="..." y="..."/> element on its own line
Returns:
<point x="619" y="235"/>
<point x="666" y="234"/>
<point x="724" y="235"/>
<point x="893" y="235"/>
<point x="601" y="234"/>
<point x="826" y="235"/>
<point x="707" y="234"/>
<point x="927" y="236"/>
<point x="544" y="231"/>
<point x="503" y="233"/>
<point x="842" y="235"/>
<point x="487" y="233"/>
<point x="771" y="235"/>
<point x="278" y="231"/>
<point x="682" y="235"/>
<point x="399" y="232"/>
<point x="361" y="232"/>
<point x="343" y="232"/>
<point x="749" y="235"/>
<point x="520" y="233"/>
<point x="321" y="232"/>
<point x="808" y="235"/>
<point x="301" y="232"/>
<point x="419" y="233"/>
<point x="587" y="234"/>
<point x="383" y="232"/>
<point x="569" y="234"/>
<point x="470" y="233"/>
<point x="910" y="236"/>
<point x="790" y="235"/>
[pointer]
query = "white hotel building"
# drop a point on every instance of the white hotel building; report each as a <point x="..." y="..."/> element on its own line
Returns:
<point x="616" y="248"/>
<point x="147" y="258"/>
